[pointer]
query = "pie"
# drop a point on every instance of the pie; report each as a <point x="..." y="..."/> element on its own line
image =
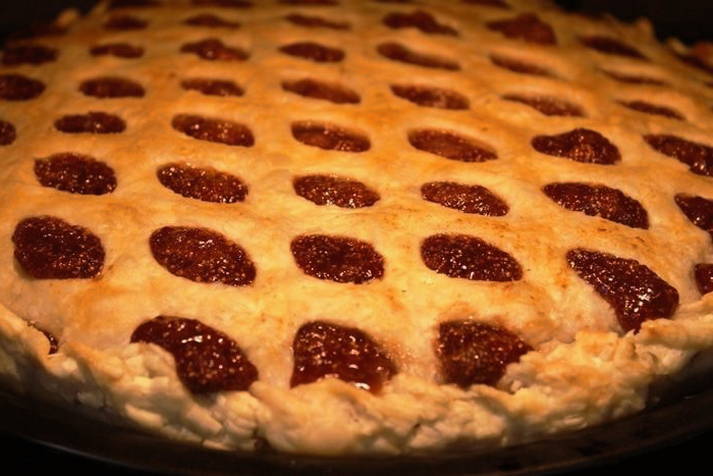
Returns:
<point x="345" y="226"/>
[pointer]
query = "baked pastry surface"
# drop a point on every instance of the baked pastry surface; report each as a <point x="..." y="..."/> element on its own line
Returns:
<point x="353" y="226"/>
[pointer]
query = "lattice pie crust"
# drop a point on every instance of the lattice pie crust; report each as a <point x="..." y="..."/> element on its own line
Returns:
<point x="351" y="226"/>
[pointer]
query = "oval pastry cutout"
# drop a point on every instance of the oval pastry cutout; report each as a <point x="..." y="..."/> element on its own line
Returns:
<point x="75" y="173"/>
<point x="207" y="360"/>
<point x="599" y="200"/>
<point x="16" y="87"/>
<point x="634" y="291"/>
<point x="47" y="247"/>
<point x="419" y="19"/>
<point x="476" y="353"/>
<point x="321" y="349"/>
<point x="206" y="184"/>
<point x="547" y="105"/>
<point x="703" y="272"/>
<point x="108" y="87"/>
<point x="698" y="210"/>
<point x="212" y="87"/>
<point x="311" y="88"/>
<point x="90" y="123"/>
<point x="201" y="255"/>
<point x="329" y="137"/>
<point x="398" y="52"/>
<point x="468" y="257"/>
<point x="120" y="50"/>
<point x="466" y="198"/>
<point x="610" y="46"/>
<point x="429" y="96"/>
<point x="527" y="27"/>
<point x="28" y="54"/>
<point x="211" y="129"/>
<point x="698" y="157"/>
<point x="312" y="51"/>
<point x="450" y="145"/>
<point x="8" y="133"/>
<point x="339" y="191"/>
<point x="337" y="258"/>
<point x="213" y="49"/>
<point x="580" y="145"/>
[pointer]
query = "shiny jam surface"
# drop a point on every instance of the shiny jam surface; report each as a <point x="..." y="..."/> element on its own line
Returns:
<point x="309" y="21"/>
<point x="337" y="258"/>
<point x="329" y="137"/>
<point x="703" y="272"/>
<point x="321" y="349"/>
<point x="634" y="291"/>
<point x="611" y="46"/>
<point x="398" y="52"/>
<point x="93" y="122"/>
<point x="429" y="96"/>
<point x="698" y="210"/>
<point x="312" y="88"/>
<point x="312" y="51"/>
<point x="549" y="106"/>
<point x="468" y="257"/>
<point x="75" y="173"/>
<point x="16" y="87"/>
<point x="213" y="130"/>
<point x="466" y="198"/>
<point x="207" y="360"/>
<point x="476" y="353"/>
<point x="213" y="49"/>
<point x="698" y="157"/>
<point x="47" y="247"/>
<point x="449" y="145"/>
<point x="330" y="190"/>
<point x="111" y="87"/>
<point x="28" y="54"/>
<point x="212" y="87"/>
<point x="419" y="19"/>
<point x="201" y="255"/>
<point x="599" y="200"/>
<point x="205" y="184"/>
<point x="527" y="27"/>
<point x="580" y="145"/>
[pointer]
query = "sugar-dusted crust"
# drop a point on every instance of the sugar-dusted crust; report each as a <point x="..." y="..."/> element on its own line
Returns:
<point x="583" y="370"/>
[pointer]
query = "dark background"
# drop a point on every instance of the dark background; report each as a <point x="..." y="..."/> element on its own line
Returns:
<point x="688" y="20"/>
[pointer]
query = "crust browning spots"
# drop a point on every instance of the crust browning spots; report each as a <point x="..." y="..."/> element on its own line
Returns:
<point x="47" y="247"/>
<point x="527" y="27"/>
<point x="634" y="291"/>
<point x="450" y="145"/>
<point x="580" y="145"/>
<point x="213" y="130"/>
<point x="201" y="255"/>
<point x="476" y="353"/>
<point x="321" y="349"/>
<point x="329" y="137"/>
<point x="468" y="257"/>
<point x="398" y="52"/>
<point x="207" y="360"/>
<point x="337" y="258"/>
